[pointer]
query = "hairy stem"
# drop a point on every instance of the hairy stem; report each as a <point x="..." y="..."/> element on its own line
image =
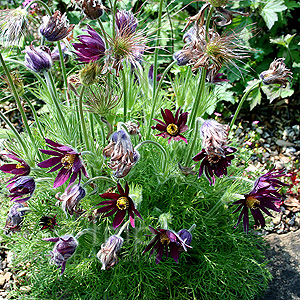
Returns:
<point x="99" y="178"/>
<point x="63" y="67"/>
<point x="82" y="121"/>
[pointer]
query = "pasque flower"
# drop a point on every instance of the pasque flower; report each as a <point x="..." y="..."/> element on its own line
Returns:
<point x="56" y="27"/>
<point x="66" y="160"/>
<point x="173" y="126"/>
<point x="64" y="248"/>
<point x="126" y="22"/>
<point x="38" y="59"/>
<point x="92" y="9"/>
<point x="263" y="196"/>
<point x="165" y="240"/>
<point x="122" y="154"/>
<point x="14" y="217"/>
<point x="119" y="204"/>
<point x="70" y="198"/>
<point x="48" y="222"/>
<point x="21" y="168"/>
<point x="109" y="250"/>
<point x="23" y="186"/>
<point x="277" y="73"/>
<point x="91" y="47"/>
<point x="216" y="155"/>
<point x="55" y="53"/>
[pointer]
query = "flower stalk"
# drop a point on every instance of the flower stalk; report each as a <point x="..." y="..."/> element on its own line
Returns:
<point x="40" y="3"/>
<point x="62" y="64"/>
<point x="99" y="178"/>
<point x="83" y="127"/>
<point x="122" y="228"/>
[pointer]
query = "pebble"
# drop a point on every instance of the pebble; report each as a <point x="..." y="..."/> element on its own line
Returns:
<point x="25" y="288"/>
<point x="2" y="280"/>
<point x="276" y="220"/>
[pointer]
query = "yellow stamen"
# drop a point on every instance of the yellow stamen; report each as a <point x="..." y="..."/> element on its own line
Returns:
<point x="19" y="166"/>
<point x="172" y="129"/>
<point x="122" y="203"/>
<point x="68" y="161"/>
<point x="164" y="238"/>
<point x="252" y="202"/>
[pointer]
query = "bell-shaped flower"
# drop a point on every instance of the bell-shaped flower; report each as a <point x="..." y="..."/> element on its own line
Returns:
<point x="38" y="59"/>
<point x="23" y="186"/>
<point x="14" y="218"/>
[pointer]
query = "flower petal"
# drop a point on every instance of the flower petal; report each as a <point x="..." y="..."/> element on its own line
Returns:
<point x="119" y="217"/>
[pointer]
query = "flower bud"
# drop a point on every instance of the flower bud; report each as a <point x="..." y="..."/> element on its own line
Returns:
<point x="20" y="187"/>
<point x="38" y="59"/>
<point x="109" y="250"/>
<point x="14" y="217"/>
<point x="186" y="236"/>
<point x="89" y="74"/>
<point x="93" y="9"/>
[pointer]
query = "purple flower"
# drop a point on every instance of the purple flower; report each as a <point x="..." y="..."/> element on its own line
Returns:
<point x="38" y="59"/>
<point x="122" y="154"/>
<point x="18" y="169"/>
<point x="14" y="218"/>
<point x="217" y="78"/>
<point x="21" y="186"/>
<point x="165" y="240"/>
<point x="109" y="250"/>
<point x="214" y="165"/>
<point x="63" y="249"/>
<point x="56" y="27"/>
<point x="55" y="53"/>
<point x="126" y="22"/>
<point x="91" y="47"/>
<point x="150" y="75"/>
<point x="64" y="159"/>
<point x="70" y="198"/>
<point x="119" y="204"/>
<point x="172" y="127"/>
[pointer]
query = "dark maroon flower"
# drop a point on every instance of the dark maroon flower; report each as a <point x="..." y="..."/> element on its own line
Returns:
<point x="91" y="47"/>
<point x="21" y="186"/>
<point x="165" y="240"/>
<point x="173" y="127"/>
<point x="63" y="249"/>
<point x="119" y="204"/>
<point x="18" y="169"/>
<point x="56" y="27"/>
<point x="48" y="222"/>
<point x="14" y="218"/>
<point x="218" y="78"/>
<point x="64" y="158"/>
<point x="214" y="165"/>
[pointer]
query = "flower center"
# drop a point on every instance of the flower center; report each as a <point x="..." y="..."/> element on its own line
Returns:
<point x="19" y="166"/>
<point x="164" y="238"/>
<point x="252" y="202"/>
<point x="122" y="203"/>
<point x="68" y="161"/>
<point x="172" y="129"/>
<point x="213" y="158"/>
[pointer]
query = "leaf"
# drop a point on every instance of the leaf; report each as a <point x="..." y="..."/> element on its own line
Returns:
<point x="274" y="91"/>
<point x="255" y="97"/>
<point x="270" y="10"/>
<point x="5" y="133"/>
<point x="283" y="40"/>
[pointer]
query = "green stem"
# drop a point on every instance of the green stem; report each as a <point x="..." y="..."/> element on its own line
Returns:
<point x="125" y="95"/>
<point x="17" y="98"/>
<point x="256" y="84"/>
<point x="99" y="178"/>
<point x="157" y="93"/>
<point x="123" y="227"/>
<point x="14" y="130"/>
<point x="197" y="100"/>
<point x="63" y="67"/>
<point x="52" y="91"/>
<point x="114" y="18"/>
<point x="189" y="155"/>
<point x="209" y="15"/>
<point x="156" y="47"/>
<point x="104" y="33"/>
<point x="82" y="121"/>
<point x="41" y="3"/>
<point x="157" y="145"/>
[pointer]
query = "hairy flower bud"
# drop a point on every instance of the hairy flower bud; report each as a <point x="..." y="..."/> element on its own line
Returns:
<point x="88" y="75"/>
<point x="14" y="218"/>
<point x="38" y="59"/>
<point x="21" y="186"/>
<point x="92" y="9"/>
<point x="109" y="250"/>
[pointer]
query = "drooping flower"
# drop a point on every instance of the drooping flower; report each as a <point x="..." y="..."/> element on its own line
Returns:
<point x="211" y="50"/>
<point x="64" y="248"/>
<point x="38" y="59"/>
<point x="277" y="73"/>
<point x="186" y="236"/>
<point x="165" y="240"/>
<point x="263" y="196"/>
<point x="18" y="169"/>
<point x="13" y="26"/>
<point x="109" y="250"/>
<point x="92" y="9"/>
<point x="23" y="186"/>
<point x="48" y="222"/>
<point x="14" y="218"/>
<point x="119" y="204"/>
<point x="173" y="126"/>
<point x="56" y="27"/>
<point x="91" y="47"/>
<point x="133" y="128"/>
<point x="122" y="154"/>
<point x="70" y="198"/>
<point x="65" y="159"/>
